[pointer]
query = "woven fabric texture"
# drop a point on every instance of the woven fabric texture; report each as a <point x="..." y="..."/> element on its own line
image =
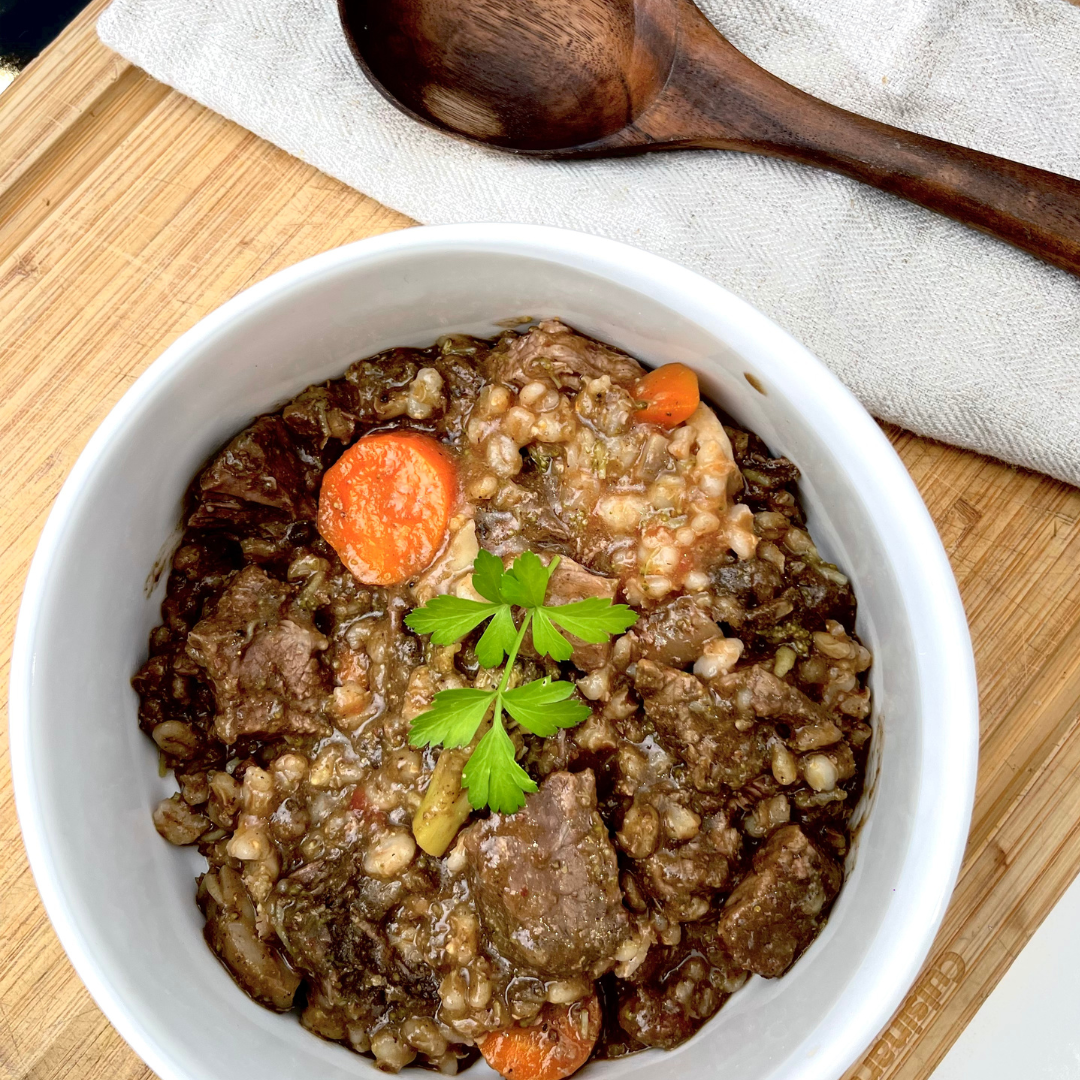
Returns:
<point x="934" y="326"/>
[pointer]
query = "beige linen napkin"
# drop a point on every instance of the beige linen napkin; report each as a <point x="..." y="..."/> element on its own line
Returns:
<point x="932" y="325"/>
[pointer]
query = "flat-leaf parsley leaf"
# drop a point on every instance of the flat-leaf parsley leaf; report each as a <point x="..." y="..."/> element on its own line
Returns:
<point x="452" y="719"/>
<point x="448" y="618"/>
<point x="542" y="706"/>
<point x="492" y="776"/>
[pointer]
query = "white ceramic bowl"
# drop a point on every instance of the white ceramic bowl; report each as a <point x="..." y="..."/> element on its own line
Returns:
<point x="122" y="900"/>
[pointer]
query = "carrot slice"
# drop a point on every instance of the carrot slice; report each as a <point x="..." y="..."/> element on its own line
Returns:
<point x="549" y="1050"/>
<point x="385" y="505"/>
<point x="670" y="395"/>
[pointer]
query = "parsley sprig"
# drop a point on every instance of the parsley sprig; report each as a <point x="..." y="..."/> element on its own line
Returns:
<point x="492" y="776"/>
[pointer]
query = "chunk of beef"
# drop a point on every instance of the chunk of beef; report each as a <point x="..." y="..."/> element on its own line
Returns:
<point x="768" y="482"/>
<point x="802" y="594"/>
<point x="655" y="1008"/>
<point x="256" y="477"/>
<point x="499" y="531"/>
<point x="322" y="413"/>
<point x="394" y="654"/>
<point x="378" y="378"/>
<point x="820" y="598"/>
<point x="462" y="382"/>
<point x="764" y="477"/>
<point x="539" y="508"/>
<point x="751" y="581"/>
<point x="202" y="566"/>
<point x="543" y="756"/>
<point x="681" y="878"/>
<point x="335" y="921"/>
<point x="230" y="931"/>
<point x="532" y="526"/>
<point x="676" y="632"/>
<point x="552" y="348"/>
<point x="535" y="523"/>
<point x="546" y="881"/>
<point x="773" y="699"/>
<point x="776" y="910"/>
<point x="214" y="511"/>
<point x="261" y="658"/>
<point x="698" y="725"/>
<point x="165" y="695"/>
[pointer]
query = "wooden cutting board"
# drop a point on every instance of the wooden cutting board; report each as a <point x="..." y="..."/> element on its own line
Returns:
<point x="128" y="212"/>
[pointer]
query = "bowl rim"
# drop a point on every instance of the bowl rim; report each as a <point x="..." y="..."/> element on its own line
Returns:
<point x="941" y="848"/>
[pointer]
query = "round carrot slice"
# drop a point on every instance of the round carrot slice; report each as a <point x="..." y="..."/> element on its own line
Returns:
<point x="669" y="395"/>
<point x="385" y="505"/>
<point x="551" y="1049"/>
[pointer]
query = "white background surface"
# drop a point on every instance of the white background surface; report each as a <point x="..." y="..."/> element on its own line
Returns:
<point x="1029" y="1027"/>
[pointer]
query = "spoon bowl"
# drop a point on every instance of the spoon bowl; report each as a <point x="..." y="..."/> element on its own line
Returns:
<point x="531" y="76"/>
<point x="600" y="78"/>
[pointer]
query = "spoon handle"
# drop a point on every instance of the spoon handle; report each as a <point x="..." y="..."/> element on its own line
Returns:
<point x="719" y="98"/>
<point x="1031" y="208"/>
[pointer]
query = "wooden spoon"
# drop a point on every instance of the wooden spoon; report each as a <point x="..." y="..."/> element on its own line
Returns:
<point x="600" y="78"/>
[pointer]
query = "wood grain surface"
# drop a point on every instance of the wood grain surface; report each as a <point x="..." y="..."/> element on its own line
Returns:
<point x="127" y="212"/>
